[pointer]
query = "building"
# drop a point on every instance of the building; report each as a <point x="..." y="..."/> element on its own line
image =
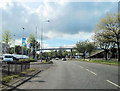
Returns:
<point x="4" y="48"/>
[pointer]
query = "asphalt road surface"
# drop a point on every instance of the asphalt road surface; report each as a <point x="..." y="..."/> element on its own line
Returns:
<point x="75" y="75"/>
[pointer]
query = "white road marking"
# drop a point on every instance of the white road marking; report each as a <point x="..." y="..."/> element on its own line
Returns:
<point x="81" y="67"/>
<point x="113" y="83"/>
<point x="91" y="72"/>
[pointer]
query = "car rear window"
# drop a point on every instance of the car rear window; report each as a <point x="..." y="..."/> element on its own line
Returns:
<point x="8" y="56"/>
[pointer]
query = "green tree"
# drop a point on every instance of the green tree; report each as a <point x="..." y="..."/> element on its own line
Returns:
<point x="34" y="44"/>
<point x="85" y="47"/>
<point x="102" y="43"/>
<point x="11" y="51"/>
<point x="18" y="49"/>
<point x="109" y="29"/>
<point x="65" y="53"/>
<point x="6" y="37"/>
<point x="52" y="54"/>
<point x="59" y="53"/>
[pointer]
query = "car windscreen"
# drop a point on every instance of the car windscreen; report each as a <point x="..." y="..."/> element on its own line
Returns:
<point x="8" y="56"/>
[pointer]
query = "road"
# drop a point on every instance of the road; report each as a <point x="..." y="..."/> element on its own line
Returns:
<point x="75" y="75"/>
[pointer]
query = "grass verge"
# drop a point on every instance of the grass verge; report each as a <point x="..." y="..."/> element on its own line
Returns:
<point x="8" y="79"/>
<point x="109" y="62"/>
<point x="49" y="62"/>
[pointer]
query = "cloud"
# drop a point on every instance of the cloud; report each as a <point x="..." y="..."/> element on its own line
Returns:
<point x="68" y="20"/>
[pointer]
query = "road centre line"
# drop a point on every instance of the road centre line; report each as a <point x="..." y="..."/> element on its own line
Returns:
<point x="113" y="83"/>
<point x="91" y="72"/>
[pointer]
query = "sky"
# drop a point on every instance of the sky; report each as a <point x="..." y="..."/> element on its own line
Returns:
<point x="70" y="21"/>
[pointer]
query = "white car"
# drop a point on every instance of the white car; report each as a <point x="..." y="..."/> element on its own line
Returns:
<point x="63" y="59"/>
<point x="56" y="58"/>
<point x="7" y="58"/>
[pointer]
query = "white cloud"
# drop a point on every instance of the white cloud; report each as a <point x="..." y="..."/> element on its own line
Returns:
<point x="68" y="21"/>
<point x="5" y="3"/>
<point x="78" y="36"/>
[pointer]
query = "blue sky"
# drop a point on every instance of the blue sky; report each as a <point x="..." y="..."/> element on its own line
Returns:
<point x="70" y="22"/>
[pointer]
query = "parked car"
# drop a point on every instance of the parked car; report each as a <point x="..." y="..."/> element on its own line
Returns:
<point x="8" y="57"/>
<point x="15" y="57"/>
<point x="63" y="59"/>
<point x="1" y="57"/>
<point x="56" y="58"/>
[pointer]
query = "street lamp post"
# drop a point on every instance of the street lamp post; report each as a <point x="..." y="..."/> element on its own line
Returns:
<point x="36" y="46"/>
<point x="14" y="44"/>
<point x="22" y="43"/>
<point x="42" y="37"/>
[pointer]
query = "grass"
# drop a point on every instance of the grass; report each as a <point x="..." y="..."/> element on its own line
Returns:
<point x="7" y="79"/>
<point x="109" y="62"/>
<point x="27" y="60"/>
<point x="30" y="70"/>
<point x="49" y="62"/>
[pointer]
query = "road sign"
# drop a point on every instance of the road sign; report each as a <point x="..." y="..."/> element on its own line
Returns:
<point x="23" y="42"/>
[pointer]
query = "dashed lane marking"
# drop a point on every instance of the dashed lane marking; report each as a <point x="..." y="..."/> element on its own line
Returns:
<point x="113" y="83"/>
<point x="91" y="71"/>
<point x="81" y="67"/>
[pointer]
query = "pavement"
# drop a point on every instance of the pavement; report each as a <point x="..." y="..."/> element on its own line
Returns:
<point x="21" y="80"/>
<point x="75" y="75"/>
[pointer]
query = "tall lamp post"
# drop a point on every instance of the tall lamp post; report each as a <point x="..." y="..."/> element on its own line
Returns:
<point x="14" y="43"/>
<point x="36" y="46"/>
<point x="22" y="41"/>
<point x="42" y="38"/>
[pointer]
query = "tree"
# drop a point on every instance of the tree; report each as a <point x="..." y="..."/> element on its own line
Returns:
<point x="65" y="53"/>
<point x="6" y="37"/>
<point x="52" y="54"/>
<point x="109" y="27"/>
<point x="85" y="47"/>
<point x="102" y="43"/>
<point x="34" y="44"/>
<point x="11" y="51"/>
<point x="18" y="49"/>
<point x="60" y="54"/>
